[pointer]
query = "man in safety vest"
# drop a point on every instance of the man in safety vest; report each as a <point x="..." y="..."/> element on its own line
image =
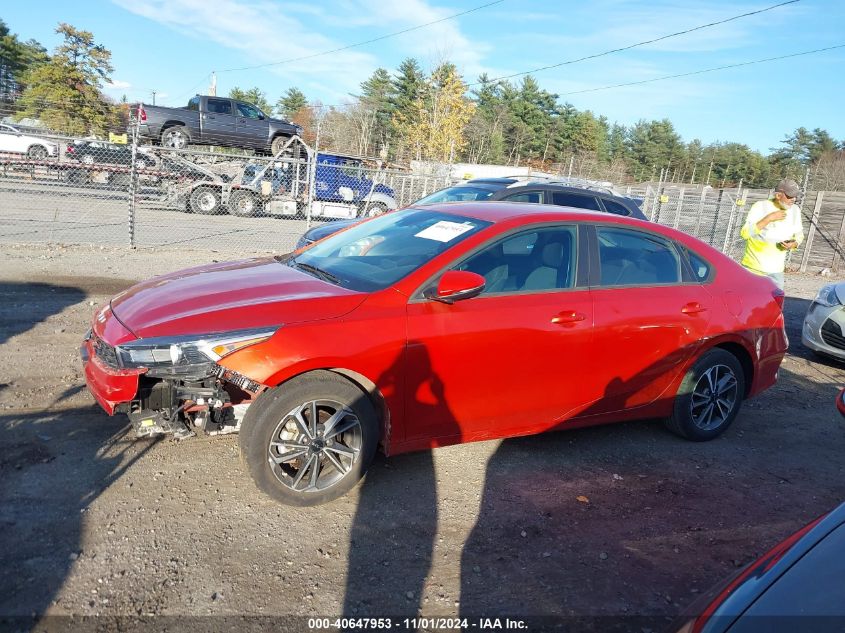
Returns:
<point x="772" y="228"/>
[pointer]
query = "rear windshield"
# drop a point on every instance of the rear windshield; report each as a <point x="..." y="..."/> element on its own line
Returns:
<point x="376" y="254"/>
<point x="459" y="193"/>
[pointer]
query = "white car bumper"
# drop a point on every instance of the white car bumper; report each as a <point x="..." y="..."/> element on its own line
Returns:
<point x="824" y="330"/>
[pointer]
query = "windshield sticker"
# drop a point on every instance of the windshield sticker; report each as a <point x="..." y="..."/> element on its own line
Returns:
<point x="445" y="231"/>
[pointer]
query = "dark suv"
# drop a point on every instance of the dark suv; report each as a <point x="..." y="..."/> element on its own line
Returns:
<point x="563" y="192"/>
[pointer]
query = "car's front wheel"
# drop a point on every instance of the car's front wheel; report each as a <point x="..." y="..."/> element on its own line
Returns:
<point x="709" y="397"/>
<point x="310" y="440"/>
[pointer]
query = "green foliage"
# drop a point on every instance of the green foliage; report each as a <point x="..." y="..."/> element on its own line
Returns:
<point x="291" y="102"/>
<point x="16" y="58"/>
<point x="65" y="91"/>
<point x="255" y="96"/>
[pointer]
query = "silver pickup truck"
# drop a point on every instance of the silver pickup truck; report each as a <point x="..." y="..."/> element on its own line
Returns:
<point x="215" y="121"/>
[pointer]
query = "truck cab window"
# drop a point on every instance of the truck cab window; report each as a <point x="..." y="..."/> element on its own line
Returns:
<point x="194" y="104"/>
<point x="219" y="106"/>
<point x="246" y="110"/>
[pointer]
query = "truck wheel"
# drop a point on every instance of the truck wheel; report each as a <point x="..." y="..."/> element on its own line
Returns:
<point x="277" y="145"/>
<point x="373" y="209"/>
<point x="310" y="440"/>
<point x="244" y="204"/>
<point x="206" y="200"/>
<point x="175" y="137"/>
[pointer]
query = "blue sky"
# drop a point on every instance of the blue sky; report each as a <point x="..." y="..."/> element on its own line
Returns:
<point x="172" y="46"/>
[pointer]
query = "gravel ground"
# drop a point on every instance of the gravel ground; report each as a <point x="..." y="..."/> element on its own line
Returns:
<point x="618" y="521"/>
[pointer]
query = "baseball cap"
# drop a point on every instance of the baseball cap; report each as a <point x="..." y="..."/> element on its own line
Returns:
<point x="789" y="188"/>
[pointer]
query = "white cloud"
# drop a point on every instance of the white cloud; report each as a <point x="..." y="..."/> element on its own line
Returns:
<point x="267" y="32"/>
<point x="117" y="84"/>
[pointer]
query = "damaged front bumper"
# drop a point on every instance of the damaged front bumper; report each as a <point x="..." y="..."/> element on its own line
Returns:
<point x="210" y="398"/>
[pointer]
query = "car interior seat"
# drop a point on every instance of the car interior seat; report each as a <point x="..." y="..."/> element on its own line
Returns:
<point x="553" y="271"/>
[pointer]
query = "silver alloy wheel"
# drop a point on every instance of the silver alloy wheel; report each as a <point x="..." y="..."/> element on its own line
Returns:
<point x="315" y="445"/>
<point x="175" y="138"/>
<point x="206" y="201"/>
<point x="88" y="159"/>
<point x="714" y="397"/>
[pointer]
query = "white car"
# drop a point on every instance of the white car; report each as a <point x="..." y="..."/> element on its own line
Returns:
<point x="824" y="324"/>
<point x="12" y="140"/>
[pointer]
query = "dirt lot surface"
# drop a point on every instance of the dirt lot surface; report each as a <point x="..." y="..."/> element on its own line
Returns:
<point x="618" y="521"/>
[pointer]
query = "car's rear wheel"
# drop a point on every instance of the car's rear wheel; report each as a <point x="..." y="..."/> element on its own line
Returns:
<point x="709" y="397"/>
<point x="87" y="159"/>
<point x="310" y="440"/>
<point x="206" y="200"/>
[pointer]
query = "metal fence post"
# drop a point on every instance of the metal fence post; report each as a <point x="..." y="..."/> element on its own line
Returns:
<point x="133" y="180"/>
<point x="837" y="248"/>
<point x="700" y="210"/>
<point x="730" y="227"/>
<point x="678" y="209"/>
<point x="808" y="245"/>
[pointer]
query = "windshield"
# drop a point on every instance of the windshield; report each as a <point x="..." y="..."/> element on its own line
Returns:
<point x="376" y="254"/>
<point x="457" y="193"/>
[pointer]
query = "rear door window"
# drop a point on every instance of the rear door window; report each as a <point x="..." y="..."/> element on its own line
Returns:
<point x="611" y="206"/>
<point x="577" y="200"/>
<point x="636" y="258"/>
<point x="219" y="106"/>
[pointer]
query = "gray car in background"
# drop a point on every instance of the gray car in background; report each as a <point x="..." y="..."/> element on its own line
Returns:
<point x="824" y="325"/>
<point x="564" y="192"/>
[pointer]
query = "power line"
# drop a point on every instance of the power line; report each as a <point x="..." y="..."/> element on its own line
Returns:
<point x="705" y="70"/>
<point x="643" y="43"/>
<point x="375" y="39"/>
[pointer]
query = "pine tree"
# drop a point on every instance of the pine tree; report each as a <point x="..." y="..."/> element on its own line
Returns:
<point x="255" y="96"/>
<point x="291" y="102"/>
<point x="65" y="92"/>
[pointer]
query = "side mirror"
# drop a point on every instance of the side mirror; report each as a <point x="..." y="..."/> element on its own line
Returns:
<point x="456" y="285"/>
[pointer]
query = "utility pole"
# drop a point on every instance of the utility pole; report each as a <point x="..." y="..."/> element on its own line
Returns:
<point x="154" y="96"/>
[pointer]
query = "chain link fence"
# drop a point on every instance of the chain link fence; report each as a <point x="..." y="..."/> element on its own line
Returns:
<point x="66" y="190"/>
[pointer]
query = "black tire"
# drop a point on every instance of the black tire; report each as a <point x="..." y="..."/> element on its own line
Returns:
<point x="266" y="431"/>
<point x="37" y="152"/>
<point x="245" y="204"/>
<point x="206" y="200"/>
<point x="175" y="137"/>
<point x="700" y="412"/>
<point x="77" y="176"/>
<point x="373" y="209"/>
<point x="278" y="143"/>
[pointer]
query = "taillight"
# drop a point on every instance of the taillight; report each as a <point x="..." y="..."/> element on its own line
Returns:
<point x="778" y="296"/>
<point x="142" y="114"/>
<point x="69" y="149"/>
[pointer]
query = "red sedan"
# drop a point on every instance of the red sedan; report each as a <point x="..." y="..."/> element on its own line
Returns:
<point x="434" y="326"/>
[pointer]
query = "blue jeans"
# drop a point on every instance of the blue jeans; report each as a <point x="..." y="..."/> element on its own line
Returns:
<point x="776" y="277"/>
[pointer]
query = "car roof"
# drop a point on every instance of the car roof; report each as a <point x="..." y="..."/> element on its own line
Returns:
<point x="504" y="182"/>
<point x="500" y="211"/>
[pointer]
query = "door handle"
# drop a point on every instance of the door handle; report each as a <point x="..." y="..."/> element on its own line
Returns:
<point x="693" y="307"/>
<point x="568" y="317"/>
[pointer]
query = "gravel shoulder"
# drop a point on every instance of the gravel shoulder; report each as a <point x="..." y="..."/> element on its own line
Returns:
<point x="619" y="521"/>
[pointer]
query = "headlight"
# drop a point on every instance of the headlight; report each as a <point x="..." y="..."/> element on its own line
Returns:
<point x="827" y="296"/>
<point x="187" y="354"/>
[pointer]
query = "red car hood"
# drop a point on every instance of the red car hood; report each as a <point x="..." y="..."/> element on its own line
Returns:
<point x="229" y="296"/>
